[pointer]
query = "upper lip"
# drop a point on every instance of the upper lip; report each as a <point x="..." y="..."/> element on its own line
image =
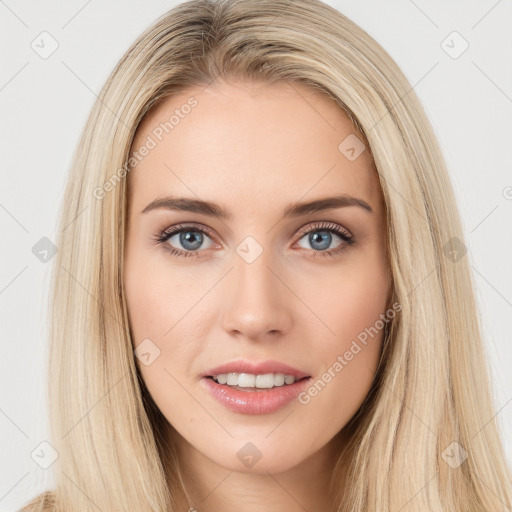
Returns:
<point x="261" y="368"/>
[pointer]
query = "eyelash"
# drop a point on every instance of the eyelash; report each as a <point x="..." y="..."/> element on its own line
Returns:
<point x="346" y="237"/>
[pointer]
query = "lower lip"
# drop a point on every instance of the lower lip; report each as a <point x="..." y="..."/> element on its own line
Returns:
<point x="254" y="402"/>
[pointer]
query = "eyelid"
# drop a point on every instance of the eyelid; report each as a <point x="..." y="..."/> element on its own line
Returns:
<point x="187" y="225"/>
<point x="304" y="230"/>
<point x="340" y="231"/>
<point x="319" y="225"/>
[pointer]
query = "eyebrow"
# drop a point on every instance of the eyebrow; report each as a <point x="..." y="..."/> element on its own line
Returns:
<point x="293" y="210"/>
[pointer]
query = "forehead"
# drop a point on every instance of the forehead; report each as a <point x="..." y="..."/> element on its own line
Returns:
<point x="250" y="140"/>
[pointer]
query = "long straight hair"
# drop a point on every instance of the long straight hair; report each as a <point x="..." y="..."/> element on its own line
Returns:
<point x="431" y="402"/>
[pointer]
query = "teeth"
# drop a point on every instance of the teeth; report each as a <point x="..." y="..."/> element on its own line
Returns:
<point x="248" y="380"/>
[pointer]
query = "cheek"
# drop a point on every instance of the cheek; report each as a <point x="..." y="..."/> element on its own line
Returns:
<point x="353" y="309"/>
<point x="157" y="298"/>
<point x="349" y="297"/>
<point x="154" y="313"/>
<point x="168" y="321"/>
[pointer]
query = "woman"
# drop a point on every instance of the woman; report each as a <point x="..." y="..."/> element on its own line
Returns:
<point x="263" y="300"/>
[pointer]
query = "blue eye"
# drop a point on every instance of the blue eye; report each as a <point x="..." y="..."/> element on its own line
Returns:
<point x="191" y="239"/>
<point x="319" y="244"/>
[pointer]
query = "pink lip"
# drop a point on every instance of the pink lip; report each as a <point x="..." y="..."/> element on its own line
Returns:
<point x="245" y="366"/>
<point x="264" y="401"/>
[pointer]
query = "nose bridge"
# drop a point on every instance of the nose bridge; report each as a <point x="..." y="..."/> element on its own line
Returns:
<point x="254" y="277"/>
<point x="255" y="305"/>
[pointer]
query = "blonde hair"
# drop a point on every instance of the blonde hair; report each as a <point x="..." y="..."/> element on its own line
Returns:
<point x="432" y="387"/>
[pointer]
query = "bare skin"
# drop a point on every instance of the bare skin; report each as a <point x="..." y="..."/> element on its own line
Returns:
<point x="255" y="149"/>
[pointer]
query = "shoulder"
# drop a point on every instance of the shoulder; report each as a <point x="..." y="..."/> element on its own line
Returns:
<point x="41" y="503"/>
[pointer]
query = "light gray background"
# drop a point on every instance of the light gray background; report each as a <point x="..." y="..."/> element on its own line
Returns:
<point x="44" y="104"/>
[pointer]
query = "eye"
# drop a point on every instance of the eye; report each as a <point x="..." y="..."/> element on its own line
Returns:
<point x="320" y="237"/>
<point x="190" y="238"/>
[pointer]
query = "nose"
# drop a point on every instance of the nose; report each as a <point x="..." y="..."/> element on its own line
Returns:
<point x="257" y="303"/>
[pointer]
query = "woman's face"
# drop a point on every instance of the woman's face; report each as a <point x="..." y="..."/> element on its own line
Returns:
<point x="271" y="279"/>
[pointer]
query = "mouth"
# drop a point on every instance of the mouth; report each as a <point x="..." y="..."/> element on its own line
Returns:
<point x="255" y="383"/>
<point x="254" y="394"/>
